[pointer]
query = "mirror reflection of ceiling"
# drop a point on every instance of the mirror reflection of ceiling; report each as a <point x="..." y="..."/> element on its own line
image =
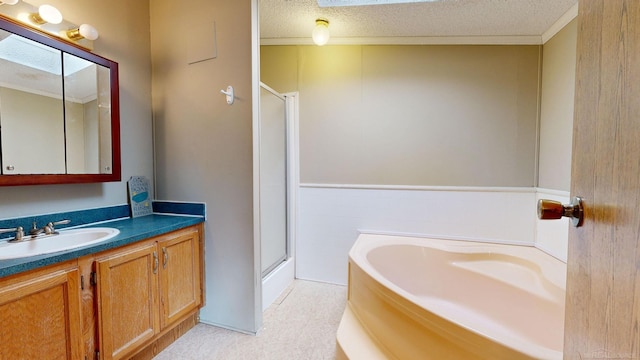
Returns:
<point x="28" y="65"/>
<point x="29" y="53"/>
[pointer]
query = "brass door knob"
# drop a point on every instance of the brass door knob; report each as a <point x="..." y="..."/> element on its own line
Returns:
<point x="551" y="210"/>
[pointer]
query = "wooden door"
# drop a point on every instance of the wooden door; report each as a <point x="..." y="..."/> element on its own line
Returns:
<point x="127" y="292"/>
<point x="40" y="316"/>
<point x="179" y="275"/>
<point x="603" y="279"/>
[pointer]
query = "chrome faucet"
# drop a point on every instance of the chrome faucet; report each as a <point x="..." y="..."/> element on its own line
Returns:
<point x="34" y="230"/>
<point x="19" y="233"/>
<point x="48" y="229"/>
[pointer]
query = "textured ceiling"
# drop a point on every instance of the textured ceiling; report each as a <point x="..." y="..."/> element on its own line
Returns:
<point x="291" y="20"/>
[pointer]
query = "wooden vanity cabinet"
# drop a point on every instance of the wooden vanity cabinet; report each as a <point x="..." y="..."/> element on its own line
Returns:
<point x="129" y="301"/>
<point x="127" y="297"/>
<point x="145" y="288"/>
<point x="180" y="276"/>
<point x="40" y="314"/>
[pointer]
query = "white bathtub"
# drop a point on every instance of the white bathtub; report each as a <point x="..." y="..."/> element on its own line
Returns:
<point x="420" y="298"/>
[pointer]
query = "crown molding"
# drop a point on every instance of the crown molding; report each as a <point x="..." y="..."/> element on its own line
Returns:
<point x="413" y="40"/>
<point x="565" y="19"/>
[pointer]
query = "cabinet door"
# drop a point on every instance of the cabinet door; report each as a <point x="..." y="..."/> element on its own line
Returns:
<point x="40" y="317"/>
<point x="180" y="274"/>
<point x="127" y="300"/>
<point x="88" y="301"/>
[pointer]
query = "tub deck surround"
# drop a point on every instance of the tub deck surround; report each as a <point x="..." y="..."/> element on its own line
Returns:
<point x="420" y="298"/>
<point x="131" y="230"/>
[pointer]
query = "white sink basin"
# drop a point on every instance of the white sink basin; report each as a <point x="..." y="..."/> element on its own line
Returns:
<point x="66" y="240"/>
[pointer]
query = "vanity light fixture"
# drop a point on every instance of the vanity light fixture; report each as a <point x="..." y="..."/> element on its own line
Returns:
<point x="46" y="14"/>
<point x="321" y="33"/>
<point x="84" y="31"/>
<point x="48" y="19"/>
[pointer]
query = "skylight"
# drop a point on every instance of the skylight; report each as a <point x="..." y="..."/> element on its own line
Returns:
<point x="332" y="3"/>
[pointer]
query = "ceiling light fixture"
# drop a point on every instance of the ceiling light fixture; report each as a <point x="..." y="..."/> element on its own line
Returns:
<point x="9" y="2"/>
<point x="84" y="31"/>
<point x="321" y="33"/>
<point x="46" y="14"/>
<point x="332" y="3"/>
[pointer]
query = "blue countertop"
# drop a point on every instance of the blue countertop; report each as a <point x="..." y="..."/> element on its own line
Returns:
<point x="131" y="230"/>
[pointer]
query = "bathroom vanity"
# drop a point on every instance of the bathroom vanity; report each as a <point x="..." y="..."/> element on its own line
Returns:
<point x="128" y="297"/>
<point x="124" y="296"/>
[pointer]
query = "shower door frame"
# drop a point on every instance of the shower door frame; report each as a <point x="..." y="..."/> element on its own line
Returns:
<point x="291" y="180"/>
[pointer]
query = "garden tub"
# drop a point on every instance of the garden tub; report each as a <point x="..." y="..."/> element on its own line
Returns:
<point x="423" y="298"/>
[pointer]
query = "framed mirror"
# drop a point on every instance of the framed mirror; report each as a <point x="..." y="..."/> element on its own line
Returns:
<point x="59" y="111"/>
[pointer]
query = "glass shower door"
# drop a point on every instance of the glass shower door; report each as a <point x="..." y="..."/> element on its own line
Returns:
<point x="273" y="180"/>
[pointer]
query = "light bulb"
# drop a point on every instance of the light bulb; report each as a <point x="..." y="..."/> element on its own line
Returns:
<point x="321" y="33"/>
<point x="89" y="32"/>
<point x="47" y="14"/>
<point x="85" y="31"/>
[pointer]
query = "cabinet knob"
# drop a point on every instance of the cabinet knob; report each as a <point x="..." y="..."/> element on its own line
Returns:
<point x="551" y="210"/>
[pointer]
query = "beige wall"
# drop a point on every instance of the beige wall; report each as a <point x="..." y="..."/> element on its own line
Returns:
<point x="74" y="130"/>
<point x="124" y="38"/>
<point x="204" y="147"/>
<point x="556" y="109"/>
<point x="412" y="115"/>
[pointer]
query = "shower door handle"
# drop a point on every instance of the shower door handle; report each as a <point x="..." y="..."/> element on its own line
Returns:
<point x="551" y="210"/>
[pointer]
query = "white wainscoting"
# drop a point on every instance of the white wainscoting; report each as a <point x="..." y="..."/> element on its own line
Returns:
<point x="332" y="216"/>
